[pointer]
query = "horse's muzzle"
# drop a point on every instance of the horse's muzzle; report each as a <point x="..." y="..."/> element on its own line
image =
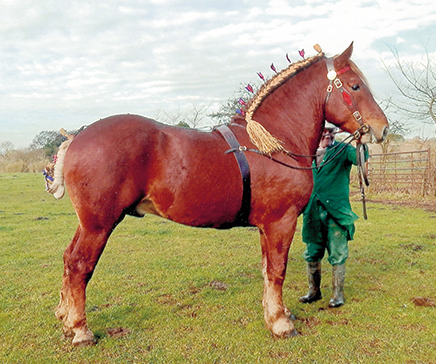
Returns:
<point x="385" y="133"/>
<point x="373" y="136"/>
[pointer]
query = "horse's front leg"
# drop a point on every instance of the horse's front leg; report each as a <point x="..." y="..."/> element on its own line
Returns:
<point x="275" y="242"/>
<point x="80" y="260"/>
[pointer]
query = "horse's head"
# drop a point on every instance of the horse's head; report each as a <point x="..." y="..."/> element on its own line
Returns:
<point x="349" y="102"/>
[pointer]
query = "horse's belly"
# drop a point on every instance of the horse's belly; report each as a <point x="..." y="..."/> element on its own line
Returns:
<point x="199" y="213"/>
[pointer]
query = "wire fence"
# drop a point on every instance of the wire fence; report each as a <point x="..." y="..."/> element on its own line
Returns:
<point x="406" y="172"/>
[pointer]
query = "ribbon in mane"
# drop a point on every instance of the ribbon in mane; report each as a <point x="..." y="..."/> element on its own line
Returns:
<point x="259" y="136"/>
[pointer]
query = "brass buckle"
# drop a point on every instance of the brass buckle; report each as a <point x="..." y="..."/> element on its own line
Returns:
<point x="357" y="134"/>
<point x="329" y="88"/>
<point x="365" y="128"/>
<point x="357" y="115"/>
<point x="337" y="83"/>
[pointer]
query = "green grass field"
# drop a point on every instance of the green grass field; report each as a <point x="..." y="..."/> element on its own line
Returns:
<point x="186" y="295"/>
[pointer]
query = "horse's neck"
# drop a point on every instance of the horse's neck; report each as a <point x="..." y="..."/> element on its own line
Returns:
<point x="294" y="112"/>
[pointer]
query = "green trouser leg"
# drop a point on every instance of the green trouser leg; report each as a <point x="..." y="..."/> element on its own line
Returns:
<point x="338" y="281"/>
<point x="314" y="277"/>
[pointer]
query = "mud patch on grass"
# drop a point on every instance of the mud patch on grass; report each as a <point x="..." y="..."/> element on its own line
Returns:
<point x="424" y="301"/>
<point x="116" y="332"/>
<point x="221" y="286"/>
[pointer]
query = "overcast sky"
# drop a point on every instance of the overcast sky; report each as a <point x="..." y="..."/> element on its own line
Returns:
<point x="64" y="64"/>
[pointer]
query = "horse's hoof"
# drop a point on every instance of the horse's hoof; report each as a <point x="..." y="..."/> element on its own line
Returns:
<point x="293" y="333"/>
<point x="84" y="338"/>
<point x="283" y="328"/>
<point x="84" y="343"/>
<point x="287" y="335"/>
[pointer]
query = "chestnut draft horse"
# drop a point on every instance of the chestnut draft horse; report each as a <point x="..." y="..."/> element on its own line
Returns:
<point x="130" y="165"/>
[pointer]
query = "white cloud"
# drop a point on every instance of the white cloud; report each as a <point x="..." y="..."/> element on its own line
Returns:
<point x="64" y="64"/>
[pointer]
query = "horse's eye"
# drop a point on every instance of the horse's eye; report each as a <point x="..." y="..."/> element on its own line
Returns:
<point x="355" y="87"/>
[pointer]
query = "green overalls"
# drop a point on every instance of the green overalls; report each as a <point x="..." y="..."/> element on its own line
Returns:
<point x="328" y="220"/>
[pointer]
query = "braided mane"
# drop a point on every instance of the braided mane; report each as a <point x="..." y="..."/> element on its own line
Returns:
<point x="259" y="136"/>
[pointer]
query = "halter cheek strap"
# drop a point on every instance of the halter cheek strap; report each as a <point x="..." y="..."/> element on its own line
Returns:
<point x="362" y="129"/>
<point x="332" y="75"/>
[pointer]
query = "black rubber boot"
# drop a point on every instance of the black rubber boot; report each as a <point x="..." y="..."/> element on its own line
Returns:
<point x="314" y="278"/>
<point x="338" y="281"/>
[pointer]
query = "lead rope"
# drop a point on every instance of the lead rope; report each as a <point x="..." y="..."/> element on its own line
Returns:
<point x="341" y="146"/>
<point x="362" y="175"/>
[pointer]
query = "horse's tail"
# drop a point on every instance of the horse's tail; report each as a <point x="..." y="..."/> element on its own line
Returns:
<point x="54" y="172"/>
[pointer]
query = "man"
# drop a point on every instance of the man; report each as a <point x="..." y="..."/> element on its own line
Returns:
<point x="328" y="221"/>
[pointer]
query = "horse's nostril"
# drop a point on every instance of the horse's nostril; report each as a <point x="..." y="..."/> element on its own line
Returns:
<point x="385" y="132"/>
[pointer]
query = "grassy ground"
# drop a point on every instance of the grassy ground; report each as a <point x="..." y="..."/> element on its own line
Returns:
<point x="178" y="294"/>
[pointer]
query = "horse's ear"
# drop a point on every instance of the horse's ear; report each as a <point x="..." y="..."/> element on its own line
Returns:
<point x="342" y="60"/>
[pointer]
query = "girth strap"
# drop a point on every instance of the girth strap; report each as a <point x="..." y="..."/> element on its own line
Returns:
<point x="244" y="168"/>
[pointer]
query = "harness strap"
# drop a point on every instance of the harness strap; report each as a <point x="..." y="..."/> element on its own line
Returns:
<point x="362" y="175"/>
<point x="244" y="168"/>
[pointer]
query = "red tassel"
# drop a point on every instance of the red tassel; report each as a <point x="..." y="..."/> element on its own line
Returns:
<point x="273" y="68"/>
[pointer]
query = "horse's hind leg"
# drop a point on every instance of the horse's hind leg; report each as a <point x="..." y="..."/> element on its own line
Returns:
<point x="80" y="259"/>
<point x="63" y="308"/>
<point x="275" y="243"/>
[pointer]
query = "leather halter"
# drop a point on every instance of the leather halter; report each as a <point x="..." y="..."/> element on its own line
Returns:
<point x="332" y="75"/>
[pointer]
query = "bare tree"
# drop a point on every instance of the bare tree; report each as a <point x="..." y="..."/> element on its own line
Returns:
<point x="416" y="82"/>
<point x="188" y="119"/>
<point x="397" y="126"/>
<point x="6" y="148"/>
<point x="198" y="113"/>
<point x="226" y="111"/>
<point x="230" y="107"/>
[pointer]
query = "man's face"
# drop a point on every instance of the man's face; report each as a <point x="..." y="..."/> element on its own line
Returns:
<point x="328" y="136"/>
